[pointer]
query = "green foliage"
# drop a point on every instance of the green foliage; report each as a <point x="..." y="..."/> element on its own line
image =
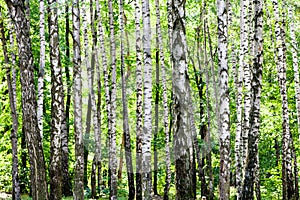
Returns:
<point x="271" y="121"/>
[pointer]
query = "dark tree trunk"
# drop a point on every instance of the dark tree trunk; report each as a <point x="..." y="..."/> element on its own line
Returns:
<point x="66" y="186"/>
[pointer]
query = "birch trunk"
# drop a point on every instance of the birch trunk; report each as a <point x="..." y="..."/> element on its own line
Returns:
<point x="29" y="103"/>
<point x="97" y="115"/>
<point x="165" y="100"/>
<point x="97" y="20"/>
<point x="66" y="187"/>
<point x="287" y="180"/>
<point x="256" y="85"/>
<point x="240" y="133"/>
<point x="139" y="102"/>
<point x="147" y="134"/>
<point x="156" y="110"/>
<point x="90" y="73"/>
<point x="208" y="136"/>
<point x="126" y="133"/>
<point x="182" y="99"/>
<point x="224" y="125"/>
<point x="112" y="146"/>
<point x="78" y="193"/>
<point x="100" y="35"/>
<point x="244" y="62"/>
<point x="41" y="69"/>
<point x="56" y="104"/>
<point x="11" y="83"/>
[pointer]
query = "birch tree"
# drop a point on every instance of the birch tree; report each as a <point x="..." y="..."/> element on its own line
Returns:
<point x="11" y="83"/>
<point x="139" y="101"/>
<point x="126" y="131"/>
<point x="182" y="129"/>
<point x="112" y="133"/>
<point x="256" y="85"/>
<point x="165" y="99"/>
<point x="77" y="103"/>
<point x="29" y="103"/>
<point x="224" y="125"/>
<point x="147" y="133"/>
<point x="287" y="180"/>
<point x="66" y="187"/>
<point x="56" y="104"/>
<point x="94" y="113"/>
<point x="41" y="69"/>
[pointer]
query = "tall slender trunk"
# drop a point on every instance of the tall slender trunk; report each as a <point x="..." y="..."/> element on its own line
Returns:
<point x="66" y="186"/>
<point x="287" y="179"/>
<point x="90" y="72"/>
<point x="139" y="101"/>
<point x="182" y="100"/>
<point x="241" y="140"/>
<point x="97" y="22"/>
<point x="200" y="87"/>
<point x="156" y="110"/>
<point x="112" y="146"/>
<point x="147" y="134"/>
<point x="30" y="123"/>
<point x="11" y="83"/>
<point x="208" y="137"/>
<point x="41" y="69"/>
<point x="126" y="131"/>
<point x="100" y="35"/>
<point x="256" y="85"/>
<point x="89" y="107"/>
<point x="56" y="104"/>
<point x="165" y="100"/>
<point x="77" y="102"/>
<point x="224" y="125"/>
<point x="196" y="145"/>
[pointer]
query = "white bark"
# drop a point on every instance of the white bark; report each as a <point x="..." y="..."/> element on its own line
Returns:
<point x="41" y="70"/>
<point x="112" y="133"/>
<point x="281" y="71"/>
<point x="78" y="193"/>
<point x="139" y="101"/>
<point x="146" y="149"/>
<point x="224" y="126"/>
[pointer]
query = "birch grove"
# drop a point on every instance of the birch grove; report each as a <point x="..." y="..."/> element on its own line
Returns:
<point x="143" y="99"/>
